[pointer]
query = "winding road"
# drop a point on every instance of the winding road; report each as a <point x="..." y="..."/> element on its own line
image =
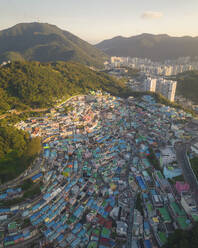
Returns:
<point x="182" y="158"/>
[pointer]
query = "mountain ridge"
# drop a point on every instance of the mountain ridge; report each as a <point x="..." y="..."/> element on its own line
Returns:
<point x="47" y="43"/>
<point x="156" y="47"/>
<point x="25" y="85"/>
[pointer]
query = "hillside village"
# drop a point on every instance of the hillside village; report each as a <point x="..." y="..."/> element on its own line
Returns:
<point x="110" y="176"/>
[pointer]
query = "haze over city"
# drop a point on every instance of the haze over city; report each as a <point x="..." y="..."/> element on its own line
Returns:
<point x="95" y="21"/>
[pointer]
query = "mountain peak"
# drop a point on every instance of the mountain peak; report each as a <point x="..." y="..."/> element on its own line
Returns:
<point x="22" y="28"/>
<point x="46" y="42"/>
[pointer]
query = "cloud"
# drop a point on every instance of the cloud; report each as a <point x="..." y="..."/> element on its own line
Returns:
<point x="151" y="15"/>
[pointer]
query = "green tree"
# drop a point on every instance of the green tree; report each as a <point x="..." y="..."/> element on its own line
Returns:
<point x="34" y="147"/>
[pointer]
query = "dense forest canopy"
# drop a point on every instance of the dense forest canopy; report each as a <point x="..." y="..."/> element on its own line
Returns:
<point x="183" y="239"/>
<point x="37" y="85"/>
<point x="17" y="150"/>
<point x="12" y="140"/>
<point x="187" y="85"/>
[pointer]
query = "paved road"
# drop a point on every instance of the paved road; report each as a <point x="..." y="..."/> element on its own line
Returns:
<point x="181" y="152"/>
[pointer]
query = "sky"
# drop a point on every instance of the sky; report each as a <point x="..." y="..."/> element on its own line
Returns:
<point x="96" y="20"/>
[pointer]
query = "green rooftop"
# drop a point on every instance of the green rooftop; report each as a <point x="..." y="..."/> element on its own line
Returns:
<point x="105" y="232"/>
<point x="12" y="226"/>
<point x="149" y="207"/>
<point x="104" y="204"/>
<point x="159" y="174"/>
<point x="92" y="244"/>
<point x="96" y="232"/>
<point x="165" y="214"/>
<point x="177" y="210"/>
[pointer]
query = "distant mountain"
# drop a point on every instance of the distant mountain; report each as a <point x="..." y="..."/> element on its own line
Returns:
<point x="45" y="42"/>
<point x="155" y="47"/>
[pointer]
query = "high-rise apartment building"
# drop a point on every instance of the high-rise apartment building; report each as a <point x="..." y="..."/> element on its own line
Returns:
<point x="150" y="84"/>
<point x="167" y="88"/>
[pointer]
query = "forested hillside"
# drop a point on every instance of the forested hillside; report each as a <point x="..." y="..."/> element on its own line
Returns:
<point x="16" y="151"/>
<point x="36" y="85"/>
<point x="183" y="239"/>
<point x="187" y="85"/>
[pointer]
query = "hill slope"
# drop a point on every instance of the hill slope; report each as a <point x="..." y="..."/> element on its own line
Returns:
<point x="17" y="150"/>
<point x="155" y="47"/>
<point x="187" y="85"/>
<point x="44" y="42"/>
<point x="35" y="84"/>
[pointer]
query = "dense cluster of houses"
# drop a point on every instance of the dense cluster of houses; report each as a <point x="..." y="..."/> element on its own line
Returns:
<point x="96" y="167"/>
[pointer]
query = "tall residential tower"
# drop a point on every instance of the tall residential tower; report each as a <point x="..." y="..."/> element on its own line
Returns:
<point x="167" y="88"/>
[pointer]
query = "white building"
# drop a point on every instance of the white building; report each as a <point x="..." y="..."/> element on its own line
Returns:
<point x="167" y="88"/>
<point x="119" y="61"/>
<point x="189" y="205"/>
<point x="122" y="228"/>
<point x="167" y="155"/>
<point x="150" y="84"/>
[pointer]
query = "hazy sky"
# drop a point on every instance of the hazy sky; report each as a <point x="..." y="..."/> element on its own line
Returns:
<point x="95" y="20"/>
